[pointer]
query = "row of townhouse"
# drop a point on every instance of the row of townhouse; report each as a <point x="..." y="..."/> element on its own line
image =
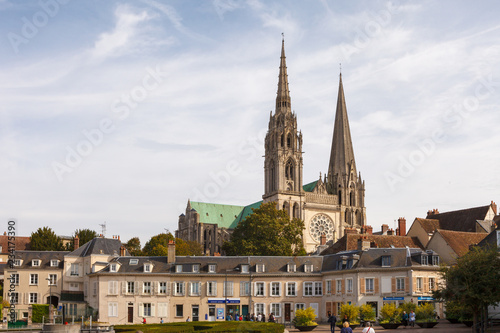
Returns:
<point x="102" y="277"/>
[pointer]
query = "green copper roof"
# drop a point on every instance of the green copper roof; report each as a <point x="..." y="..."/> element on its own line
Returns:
<point x="248" y="210"/>
<point x="309" y="187"/>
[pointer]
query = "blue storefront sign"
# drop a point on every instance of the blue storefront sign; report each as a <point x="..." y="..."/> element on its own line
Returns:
<point x="425" y="298"/>
<point x="233" y="301"/>
<point x="394" y="298"/>
<point x="223" y="300"/>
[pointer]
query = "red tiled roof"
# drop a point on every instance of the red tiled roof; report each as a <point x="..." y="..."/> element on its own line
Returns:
<point x="350" y="242"/>
<point x="429" y="225"/>
<point x="460" y="220"/>
<point x="460" y="241"/>
<point x="22" y="243"/>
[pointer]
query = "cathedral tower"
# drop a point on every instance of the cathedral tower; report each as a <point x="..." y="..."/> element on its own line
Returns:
<point x="283" y="151"/>
<point x="343" y="179"/>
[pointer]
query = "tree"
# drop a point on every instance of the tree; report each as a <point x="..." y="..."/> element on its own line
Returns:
<point x="473" y="282"/>
<point x="268" y="231"/>
<point x="84" y="236"/>
<point x="44" y="239"/>
<point x="134" y="246"/>
<point x="158" y="246"/>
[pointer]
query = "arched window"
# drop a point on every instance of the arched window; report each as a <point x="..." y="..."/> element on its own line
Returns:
<point x="351" y="198"/>
<point x="296" y="210"/>
<point x="289" y="170"/>
<point x="272" y="177"/>
<point x="289" y="141"/>
<point x="340" y="197"/>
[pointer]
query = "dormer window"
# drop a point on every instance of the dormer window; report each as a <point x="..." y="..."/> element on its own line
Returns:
<point x="290" y="268"/>
<point x="35" y="262"/>
<point x="178" y="268"/>
<point x="133" y="261"/>
<point x="54" y="263"/>
<point x="147" y="268"/>
<point x="212" y="268"/>
<point x="386" y="261"/>
<point x="245" y="268"/>
<point x="338" y="265"/>
<point x="113" y="268"/>
<point x="196" y="268"/>
<point x="349" y="263"/>
<point x="261" y="268"/>
<point x="423" y="259"/>
<point x="308" y="268"/>
<point x="435" y="260"/>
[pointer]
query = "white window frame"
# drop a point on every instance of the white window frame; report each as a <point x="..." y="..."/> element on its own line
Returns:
<point x="112" y="309"/>
<point x="196" y="268"/>
<point x="147" y="268"/>
<point x="291" y="268"/>
<point x="432" y="284"/>
<point x="52" y="280"/>
<point x="15" y="277"/>
<point x="14" y="298"/>
<point x="130" y="287"/>
<point x="260" y="308"/>
<point x="260" y="268"/>
<point x="112" y="287"/>
<point x="35" y="263"/>
<point x="338" y="286"/>
<point x="400" y="284"/>
<point x="54" y="263"/>
<point x="349" y="286"/>
<point x="194" y="288"/>
<point x="178" y="268"/>
<point x="212" y="268"/>
<point x="275" y="308"/>
<point x="308" y="268"/>
<point x="260" y="289"/>
<point x="328" y="287"/>
<point x="17" y="262"/>
<point x="419" y="284"/>
<point x="162" y="288"/>
<point x="245" y="269"/>
<point x="245" y="289"/>
<point x="300" y="306"/>
<point x="145" y="307"/>
<point x="33" y="298"/>
<point x="308" y="288"/>
<point x="74" y="269"/>
<point x="228" y="290"/>
<point x="33" y="279"/>
<point x="146" y="288"/>
<point x="133" y="261"/>
<point x="369" y="282"/>
<point x="318" y="288"/>
<point x="112" y="268"/>
<point x="294" y="289"/>
<point x="179" y="288"/>
<point x="211" y="288"/>
<point x="275" y="291"/>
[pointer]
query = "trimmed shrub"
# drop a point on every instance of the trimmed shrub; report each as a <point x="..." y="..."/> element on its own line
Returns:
<point x="367" y="312"/>
<point x="426" y="312"/>
<point x="390" y="314"/>
<point x="202" y="327"/>
<point x="352" y="312"/>
<point x="39" y="311"/>
<point x="305" y="317"/>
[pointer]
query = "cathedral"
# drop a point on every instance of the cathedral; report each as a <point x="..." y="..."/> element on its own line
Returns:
<point x="330" y="206"/>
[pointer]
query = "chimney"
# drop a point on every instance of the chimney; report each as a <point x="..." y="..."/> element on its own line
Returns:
<point x="5" y="233"/>
<point x="363" y="244"/>
<point x="401" y="226"/>
<point x="350" y="231"/>
<point x="76" y="242"/>
<point x="216" y="254"/>
<point x="385" y="227"/>
<point x="369" y="230"/>
<point x="171" y="252"/>
<point x="390" y="232"/>
<point x="118" y="237"/>
<point x="494" y="207"/>
<point x="122" y="251"/>
<point x="322" y="240"/>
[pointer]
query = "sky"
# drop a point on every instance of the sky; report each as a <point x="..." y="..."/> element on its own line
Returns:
<point x="118" y="112"/>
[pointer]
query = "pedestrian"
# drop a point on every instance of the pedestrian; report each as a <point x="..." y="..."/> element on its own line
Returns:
<point x="271" y="318"/>
<point x="412" y="318"/>
<point x="346" y="328"/>
<point x="332" y="320"/>
<point x="264" y="317"/>
<point x="188" y="319"/>
<point x="144" y="320"/>
<point x="368" y="328"/>
<point x="345" y="319"/>
<point x="252" y="317"/>
<point x="405" y="319"/>
<point x="161" y="320"/>
<point x="259" y="317"/>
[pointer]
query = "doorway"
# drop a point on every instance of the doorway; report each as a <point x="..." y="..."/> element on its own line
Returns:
<point x="195" y="312"/>
<point x="130" y="316"/>
<point x="211" y="313"/>
<point x="288" y="308"/>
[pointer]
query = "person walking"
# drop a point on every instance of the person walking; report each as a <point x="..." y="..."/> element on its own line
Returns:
<point x="346" y="328"/>
<point x="368" y="328"/>
<point x="412" y="318"/>
<point x="332" y="320"/>
<point x="405" y="319"/>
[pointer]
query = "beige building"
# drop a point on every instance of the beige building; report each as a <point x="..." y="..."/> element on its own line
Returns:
<point x="327" y="206"/>
<point x="453" y="244"/>
<point x="35" y="278"/>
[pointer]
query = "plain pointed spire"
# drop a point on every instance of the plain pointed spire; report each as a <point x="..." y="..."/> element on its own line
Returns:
<point x="342" y="153"/>
<point x="283" y="102"/>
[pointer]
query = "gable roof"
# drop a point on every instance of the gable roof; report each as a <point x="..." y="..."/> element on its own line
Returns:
<point x="349" y="242"/>
<point x="104" y="246"/>
<point x="310" y="187"/>
<point x="45" y="257"/>
<point x="460" y="241"/>
<point x="429" y="225"/>
<point x="491" y="239"/>
<point x="461" y="220"/>
<point x="21" y="243"/>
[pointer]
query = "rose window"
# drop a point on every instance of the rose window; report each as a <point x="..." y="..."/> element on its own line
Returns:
<point x="321" y="225"/>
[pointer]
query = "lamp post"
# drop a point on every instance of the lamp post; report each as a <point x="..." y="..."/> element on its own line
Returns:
<point x="51" y="312"/>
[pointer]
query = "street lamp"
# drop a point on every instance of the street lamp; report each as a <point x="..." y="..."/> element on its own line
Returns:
<point x="51" y="312"/>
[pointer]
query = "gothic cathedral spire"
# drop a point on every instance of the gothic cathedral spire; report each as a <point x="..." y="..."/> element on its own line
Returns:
<point x="283" y="147"/>
<point x="342" y="178"/>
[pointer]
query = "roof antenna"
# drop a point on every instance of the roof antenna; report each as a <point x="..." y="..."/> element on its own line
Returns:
<point x="103" y="228"/>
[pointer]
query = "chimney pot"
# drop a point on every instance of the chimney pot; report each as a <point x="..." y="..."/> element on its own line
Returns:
<point x="76" y="242"/>
<point x="171" y="252"/>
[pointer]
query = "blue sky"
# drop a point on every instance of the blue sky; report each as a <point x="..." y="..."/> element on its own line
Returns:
<point x="119" y="111"/>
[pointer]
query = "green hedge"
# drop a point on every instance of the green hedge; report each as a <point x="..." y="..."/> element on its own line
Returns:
<point x="39" y="311"/>
<point x="203" y="326"/>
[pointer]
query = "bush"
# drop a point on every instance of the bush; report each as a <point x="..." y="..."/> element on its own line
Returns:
<point x="390" y="314"/>
<point x="351" y="311"/>
<point x="203" y="327"/>
<point x="408" y="307"/>
<point x="367" y="312"/>
<point x="305" y="317"/>
<point x="39" y="311"/>
<point x="458" y="311"/>
<point x="426" y="312"/>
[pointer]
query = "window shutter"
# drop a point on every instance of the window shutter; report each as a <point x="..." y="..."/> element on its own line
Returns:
<point x="231" y="286"/>
<point x="279" y="288"/>
<point x="242" y="288"/>
<point x="362" y="285"/>
<point x="426" y="285"/>
<point x="136" y="288"/>
<point x="407" y="284"/>
<point x="414" y="287"/>
<point x="190" y="286"/>
<point x="80" y="270"/>
<point x="169" y="288"/>
<point x="376" y="287"/>
<point x="154" y="286"/>
<point x="141" y="310"/>
<point x="152" y="309"/>
<point x="393" y="284"/>
<point x="334" y="286"/>
<point x="124" y="287"/>
<point x="343" y="286"/>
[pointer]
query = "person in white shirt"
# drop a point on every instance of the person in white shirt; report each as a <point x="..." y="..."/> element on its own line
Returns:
<point x="368" y="328"/>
